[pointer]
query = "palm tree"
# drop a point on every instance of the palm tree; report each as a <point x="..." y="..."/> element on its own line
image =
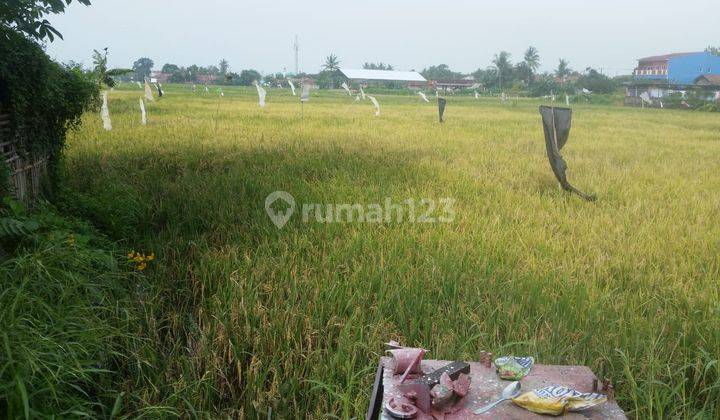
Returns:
<point x="502" y="65"/>
<point x="331" y="63"/>
<point x="224" y="66"/>
<point x="531" y="61"/>
<point x="563" y="69"/>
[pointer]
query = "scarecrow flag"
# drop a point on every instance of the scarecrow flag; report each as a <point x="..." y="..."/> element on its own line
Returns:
<point x="305" y="95"/>
<point x="477" y="96"/>
<point x="148" y="92"/>
<point x="362" y="93"/>
<point x="377" y="105"/>
<point x="422" y="95"/>
<point x="292" y="87"/>
<point x="143" y="115"/>
<point x="159" y="89"/>
<point x="441" y="108"/>
<point x="556" y="124"/>
<point x="261" y="95"/>
<point x="347" y="89"/>
<point x="105" y="112"/>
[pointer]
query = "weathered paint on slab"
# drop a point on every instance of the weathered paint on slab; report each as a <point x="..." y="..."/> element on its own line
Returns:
<point x="486" y="387"/>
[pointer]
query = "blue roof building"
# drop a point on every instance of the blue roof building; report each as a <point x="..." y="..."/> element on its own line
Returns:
<point x="677" y="69"/>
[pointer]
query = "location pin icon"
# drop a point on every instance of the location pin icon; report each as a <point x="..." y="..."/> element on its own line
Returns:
<point x="279" y="218"/>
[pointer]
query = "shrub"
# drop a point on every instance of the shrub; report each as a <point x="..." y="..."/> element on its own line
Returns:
<point x="596" y="82"/>
<point x="44" y="99"/>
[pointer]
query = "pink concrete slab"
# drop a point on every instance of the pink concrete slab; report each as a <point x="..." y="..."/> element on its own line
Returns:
<point x="486" y="387"/>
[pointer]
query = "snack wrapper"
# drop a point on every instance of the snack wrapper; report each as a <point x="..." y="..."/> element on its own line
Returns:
<point x="513" y="368"/>
<point x="557" y="400"/>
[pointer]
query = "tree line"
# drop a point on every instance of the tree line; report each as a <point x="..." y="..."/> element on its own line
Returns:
<point x="501" y="75"/>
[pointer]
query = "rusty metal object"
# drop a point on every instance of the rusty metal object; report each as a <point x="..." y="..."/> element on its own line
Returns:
<point x="401" y="407"/>
<point x="486" y="359"/>
<point x="453" y="370"/>
<point x="609" y="389"/>
<point x="407" y="359"/>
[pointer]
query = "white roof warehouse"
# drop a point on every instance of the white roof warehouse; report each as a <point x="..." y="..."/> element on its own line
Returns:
<point x="362" y="75"/>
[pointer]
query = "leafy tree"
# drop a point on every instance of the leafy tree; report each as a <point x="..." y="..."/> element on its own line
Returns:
<point x="28" y="16"/>
<point x="440" y="72"/>
<point x="273" y="79"/>
<point x="713" y="50"/>
<point x="224" y="67"/>
<point x="545" y="85"/>
<point x="563" y="69"/>
<point x="180" y="76"/>
<point x="504" y="68"/>
<point x="142" y="68"/>
<point x="247" y="77"/>
<point x="103" y="75"/>
<point x="192" y="73"/>
<point x="170" y="68"/>
<point x="596" y="82"/>
<point x="210" y="70"/>
<point x="523" y="73"/>
<point x="331" y="63"/>
<point x="488" y="77"/>
<point x="330" y="79"/>
<point x="378" y="66"/>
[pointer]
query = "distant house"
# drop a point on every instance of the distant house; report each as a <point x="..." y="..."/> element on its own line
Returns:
<point x="658" y="76"/>
<point x="160" y="76"/>
<point x="677" y="69"/>
<point x="709" y="85"/>
<point x="308" y="79"/>
<point x="570" y="78"/>
<point x="205" y="79"/>
<point x="711" y="80"/>
<point x="455" y="84"/>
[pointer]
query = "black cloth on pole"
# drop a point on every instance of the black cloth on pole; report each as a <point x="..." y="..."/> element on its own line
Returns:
<point x="556" y="124"/>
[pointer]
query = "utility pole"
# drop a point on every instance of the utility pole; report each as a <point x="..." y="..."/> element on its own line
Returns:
<point x="296" y="50"/>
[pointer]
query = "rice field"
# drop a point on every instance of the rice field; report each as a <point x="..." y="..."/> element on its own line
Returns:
<point x="242" y="319"/>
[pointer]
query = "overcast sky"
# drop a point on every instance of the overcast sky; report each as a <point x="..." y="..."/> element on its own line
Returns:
<point x="409" y="34"/>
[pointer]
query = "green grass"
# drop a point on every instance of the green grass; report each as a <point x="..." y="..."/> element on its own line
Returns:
<point x="68" y="329"/>
<point x="246" y="319"/>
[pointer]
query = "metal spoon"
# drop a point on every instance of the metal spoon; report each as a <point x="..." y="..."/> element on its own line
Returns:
<point x="511" y="391"/>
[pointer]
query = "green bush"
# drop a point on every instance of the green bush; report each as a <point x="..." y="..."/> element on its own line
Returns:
<point x="44" y="99"/>
<point x="691" y="100"/>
